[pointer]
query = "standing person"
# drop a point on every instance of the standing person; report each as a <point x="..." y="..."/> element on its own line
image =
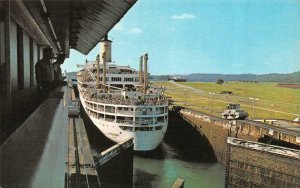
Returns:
<point x="44" y="71"/>
<point x="57" y="70"/>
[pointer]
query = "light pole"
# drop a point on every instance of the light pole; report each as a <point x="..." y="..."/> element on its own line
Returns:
<point x="211" y="93"/>
<point x="253" y="99"/>
<point x="184" y="90"/>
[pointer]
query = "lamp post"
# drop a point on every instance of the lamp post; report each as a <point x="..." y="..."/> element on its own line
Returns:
<point x="253" y="100"/>
<point x="184" y="93"/>
<point x="211" y="93"/>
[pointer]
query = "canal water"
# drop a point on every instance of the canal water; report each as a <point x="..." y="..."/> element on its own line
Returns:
<point x="181" y="154"/>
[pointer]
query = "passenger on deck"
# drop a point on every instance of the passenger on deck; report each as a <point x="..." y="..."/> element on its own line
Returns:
<point x="44" y="71"/>
<point x="57" y="70"/>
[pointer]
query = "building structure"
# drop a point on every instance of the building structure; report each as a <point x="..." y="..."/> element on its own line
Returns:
<point x="26" y="27"/>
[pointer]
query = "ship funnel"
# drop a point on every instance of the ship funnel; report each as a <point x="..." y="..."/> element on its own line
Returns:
<point x="145" y="71"/>
<point x="141" y="71"/>
<point x="105" y="47"/>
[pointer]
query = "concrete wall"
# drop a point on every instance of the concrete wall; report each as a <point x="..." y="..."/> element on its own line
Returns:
<point x="252" y="167"/>
<point x="18" y="102"/>
<point x="216" y="130"/>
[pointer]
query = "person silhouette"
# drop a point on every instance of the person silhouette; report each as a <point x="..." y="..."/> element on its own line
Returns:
<point x="44" y="71"/>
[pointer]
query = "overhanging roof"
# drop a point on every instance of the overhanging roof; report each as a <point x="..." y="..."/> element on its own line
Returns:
<point x="78" y="24"/>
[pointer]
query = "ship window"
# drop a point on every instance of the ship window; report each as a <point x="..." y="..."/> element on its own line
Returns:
<point x="125" y="128"/>
<point x="158" y="128"/>
<point x="110" y="118"/>
<point x="145" y="129"/>
<point x="2" y="39"/>
<point x="128" y="79"/>
<point x="20" y="57"/>
<point x="160" y="119"/>
<point x="100" y="116"/>
<point x="31" y="52"/>
<point x="116" y="79"/>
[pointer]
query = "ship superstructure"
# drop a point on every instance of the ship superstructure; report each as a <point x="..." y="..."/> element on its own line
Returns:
<point x="177" y="79"/>
<point x="121" y="103"/>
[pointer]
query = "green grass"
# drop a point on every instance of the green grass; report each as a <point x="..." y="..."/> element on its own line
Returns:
<point x="274" y="102"/>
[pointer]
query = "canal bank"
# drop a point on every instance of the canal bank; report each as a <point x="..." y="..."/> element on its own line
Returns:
<point x="250" y="151"/>
<point x="214" y="130"/>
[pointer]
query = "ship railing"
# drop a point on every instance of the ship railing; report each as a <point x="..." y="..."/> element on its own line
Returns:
<point x="100" y="109"/>
<point x="120" y="101"/>
<point x="144" y="122"/>
<point x="157" y="112"/>
<point x="91" y="74"/>
<point x="143" y="113"/>
<point x="125" y="112"/>
<point x="110" y="110"/>
<point x="125" y="122"/>
<point x="110" y="119"/>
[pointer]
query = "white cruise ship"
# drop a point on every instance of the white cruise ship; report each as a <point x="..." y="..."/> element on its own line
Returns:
<point x="121" y="103"/>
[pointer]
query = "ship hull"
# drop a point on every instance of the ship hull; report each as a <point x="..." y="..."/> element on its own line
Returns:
<point x="143" y="140"/>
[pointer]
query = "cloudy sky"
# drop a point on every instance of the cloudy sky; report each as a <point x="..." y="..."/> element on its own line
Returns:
<point x="206" y="36"/>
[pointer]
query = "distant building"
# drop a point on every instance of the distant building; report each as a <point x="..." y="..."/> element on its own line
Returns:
<point x="177" y="79"/>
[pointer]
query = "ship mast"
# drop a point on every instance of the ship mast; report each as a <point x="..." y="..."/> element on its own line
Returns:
<point x="104" y="69"/>
<point x="141" y="72"/>
<point x="145" y="57"/>
<point x="97" y="81"/>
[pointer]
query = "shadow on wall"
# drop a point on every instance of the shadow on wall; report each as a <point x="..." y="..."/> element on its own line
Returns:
<point x="269" y="140"/>
<point x="186" y="139"/>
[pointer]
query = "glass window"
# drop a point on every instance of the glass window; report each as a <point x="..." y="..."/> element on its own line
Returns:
<point x="20" y="57"/>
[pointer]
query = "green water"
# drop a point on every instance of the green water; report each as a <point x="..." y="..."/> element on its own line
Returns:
<point x="182" y="154"/>
<point x="163" y="170"/>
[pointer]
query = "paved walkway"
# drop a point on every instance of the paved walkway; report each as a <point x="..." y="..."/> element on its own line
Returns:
<point x="187" y="87"/>
<point x="34" y="155"/>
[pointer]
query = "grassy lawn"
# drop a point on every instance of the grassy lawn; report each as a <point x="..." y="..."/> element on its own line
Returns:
<point x="274" y="102"/>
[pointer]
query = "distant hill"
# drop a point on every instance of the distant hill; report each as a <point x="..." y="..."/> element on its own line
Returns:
<point x="273" y="77"/>
<point x="201" y="77"/>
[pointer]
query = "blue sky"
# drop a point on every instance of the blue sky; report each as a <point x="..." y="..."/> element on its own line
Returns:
<point x="206" y="36"/>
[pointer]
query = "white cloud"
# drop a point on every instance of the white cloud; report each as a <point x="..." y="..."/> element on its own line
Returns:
<point x="136" y="30"/>
<point x="183" y="16"/>
<point x="121" y="28"/>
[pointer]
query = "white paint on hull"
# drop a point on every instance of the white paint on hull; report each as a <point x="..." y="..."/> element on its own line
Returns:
<point x="143" y="140"/>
